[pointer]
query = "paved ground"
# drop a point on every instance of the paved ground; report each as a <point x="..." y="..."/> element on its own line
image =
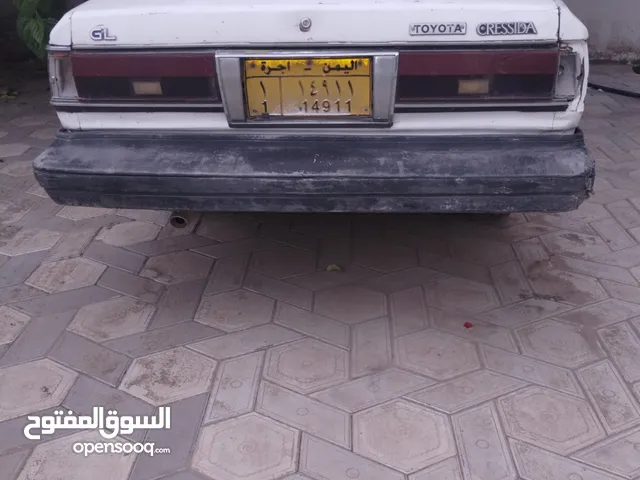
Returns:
<point x="615" y="76"/>
<point x="274" y="365"/>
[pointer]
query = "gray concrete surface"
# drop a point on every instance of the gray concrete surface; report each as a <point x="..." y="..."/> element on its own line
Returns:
<point x="621" y="77"/>
<point x="614" y="27"/>
<point x="276" y="368"/>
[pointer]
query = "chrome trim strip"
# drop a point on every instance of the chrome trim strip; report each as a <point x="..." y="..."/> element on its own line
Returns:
<point x="479" y="106"/>
<point x="438" y="44"/>
<point x="57" y="48"/>
<point x="311" y="123"/>
<point x="177" y="106"/>
<point x="152" y="50"/>
<point x="229" y="72"/>
<point x="53" y="70"/>
<point x="281" y="53"/>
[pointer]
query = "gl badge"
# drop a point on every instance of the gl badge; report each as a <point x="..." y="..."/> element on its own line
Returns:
<point x="101" y="33"/>
<point x="456" y="28"/>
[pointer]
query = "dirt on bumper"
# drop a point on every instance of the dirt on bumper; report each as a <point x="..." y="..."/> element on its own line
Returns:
<point x="325" y="174"/>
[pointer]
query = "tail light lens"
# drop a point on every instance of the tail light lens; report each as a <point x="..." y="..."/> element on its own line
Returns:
<point x="135" y="77"/>
<point x="568" y="76"/>
<point x="479" y="75"/>
<point x="63" y="86"/>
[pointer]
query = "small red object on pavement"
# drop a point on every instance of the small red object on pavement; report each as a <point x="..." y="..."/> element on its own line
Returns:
<point x="468" y="324"/>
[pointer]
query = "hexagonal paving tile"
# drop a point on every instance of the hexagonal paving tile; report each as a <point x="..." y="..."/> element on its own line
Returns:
<point x="403" y="435"/>
<point x="383" y="256"/>
<point x="236" y="310"/>
<point x="483" y="251"/>
<point x="157" y="217"/>
<point x="461" y="295"/>
<point x="169" y="376"/>
<point x="11" y="324"/>
<point x="44" y="133"/>
<point x="29" y="241"/>
<point x="283" y="262"/>
<point x="549" y="419"/>
<point x="38" y="191"/>
<point x="576" y="244"/>
<point x="34" y="386"/>
<point x="446" y="470"/>
<point x="350" y="304"/>
<point x="227" y="228"/>
<point x="436" y="354"/>
<point x="128" y="233"/>
<point x="567" y="287"/>
<point x="18" y="169"/>
<point x="560" y="343"/>
<point x="56" y="459"/>
<point x="619" y="454"/>
<point x="321" y="225"/>
<point x="66" y="275"/>
<point x="250" y="447"/>
<point x="177" y="267"/>
<point x="536" y="463"/>
<point x="307" y="365"/>
<point x="29" y="120"/>
<point x="482" y="332"/>
<point x="83" y="213"/>
<point x="13" y="149"/>
<point x="112" y="318"/>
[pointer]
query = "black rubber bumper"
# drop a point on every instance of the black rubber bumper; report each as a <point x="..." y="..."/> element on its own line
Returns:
<point x="317" y="174"/>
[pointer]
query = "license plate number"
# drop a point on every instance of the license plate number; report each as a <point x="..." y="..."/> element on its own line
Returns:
<point x="308" y="87"/>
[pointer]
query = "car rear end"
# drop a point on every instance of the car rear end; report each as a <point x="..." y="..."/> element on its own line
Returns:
<point x="392" y="106"/>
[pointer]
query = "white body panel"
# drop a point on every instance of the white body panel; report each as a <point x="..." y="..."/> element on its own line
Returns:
<point x="167" y="23"/>
<point x="153" y="23"/>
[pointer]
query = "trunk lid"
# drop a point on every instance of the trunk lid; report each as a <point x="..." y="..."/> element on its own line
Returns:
<point x="260" y="23"/>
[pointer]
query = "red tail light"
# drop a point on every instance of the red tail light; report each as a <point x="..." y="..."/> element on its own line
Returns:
<point x="139" y="77"/>
<point x="499" y="75"/>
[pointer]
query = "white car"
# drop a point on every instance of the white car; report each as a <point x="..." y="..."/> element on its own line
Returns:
<point x="319" y="105"/>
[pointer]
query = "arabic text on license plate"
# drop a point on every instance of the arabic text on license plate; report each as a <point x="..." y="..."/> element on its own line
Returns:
<point x="306" y="87"/>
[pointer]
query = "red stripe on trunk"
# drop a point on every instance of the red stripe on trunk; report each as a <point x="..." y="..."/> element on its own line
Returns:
<point x="481" y="62"/>
<point x="140" y="65"/>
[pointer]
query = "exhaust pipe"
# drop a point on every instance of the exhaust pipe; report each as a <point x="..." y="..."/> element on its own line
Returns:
<point x="179" y="219"/>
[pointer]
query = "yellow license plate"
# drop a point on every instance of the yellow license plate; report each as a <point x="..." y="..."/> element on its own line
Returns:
<point x="308" y="87"/>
